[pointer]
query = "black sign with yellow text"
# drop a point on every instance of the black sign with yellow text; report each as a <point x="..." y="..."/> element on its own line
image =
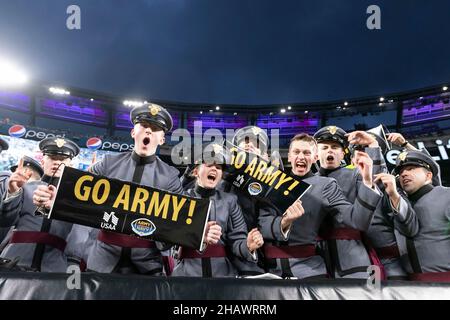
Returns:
<point x="264" y="180"/>
<point x="128" y="208"/>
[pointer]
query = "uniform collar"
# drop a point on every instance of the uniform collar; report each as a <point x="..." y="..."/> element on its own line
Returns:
<point x="326" y="172"/>
<point x="203" y="192"/>
<point x="308" y="175"/>
<point x="143" y="160"/>
<point x="420" y="193"/>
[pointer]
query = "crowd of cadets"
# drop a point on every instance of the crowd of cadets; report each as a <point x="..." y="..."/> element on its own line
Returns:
<point x="355" y="214"/>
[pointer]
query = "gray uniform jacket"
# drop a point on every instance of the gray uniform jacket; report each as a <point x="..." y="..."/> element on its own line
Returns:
<point x="150" y="171"/>
<point x="429" y="249"/>
<point x="226" y="211"/>
<point x="20" y="211"/>
<point x="323" y="199"/>
<point x="349" y="257"/>
<point x="387" y="225"/>
<point x="4" y="176"/>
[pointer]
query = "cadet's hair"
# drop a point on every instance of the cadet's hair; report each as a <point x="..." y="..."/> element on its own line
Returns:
<point x="304" y="137"/>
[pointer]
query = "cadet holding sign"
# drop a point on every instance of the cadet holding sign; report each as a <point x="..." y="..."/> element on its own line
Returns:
<point x="119" y="253"/>
<point x="297" y="229"/>
<point x="226" y="231"/>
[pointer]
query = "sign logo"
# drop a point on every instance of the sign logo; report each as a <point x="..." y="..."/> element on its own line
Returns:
<point x="254" y="188"/>
<point x="17" y="131"/>
<point x="94" y="143"/>
<point x="109" y="221"/>
<point x="239" y="181"/>
<point x="143" y="227"/>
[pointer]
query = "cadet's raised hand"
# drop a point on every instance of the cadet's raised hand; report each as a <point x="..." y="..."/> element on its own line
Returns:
<point x="365" y="167"/>
<point x="254" y="240"/>
<point x="390" y="187"/>
<point x="213" y="232"/>
<point x="362" y="138"/>
<point x="18" y="178"/>
<point x="43" y="196"/>
<point x="292" y="213"/>
<point x="399" y="140"/>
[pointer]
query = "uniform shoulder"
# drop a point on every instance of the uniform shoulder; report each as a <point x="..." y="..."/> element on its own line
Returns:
<point x="172" y="170"/>
<point x="228" y="196"/>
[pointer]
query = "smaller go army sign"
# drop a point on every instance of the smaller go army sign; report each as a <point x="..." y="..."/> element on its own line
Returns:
<point x="128" y="208"/>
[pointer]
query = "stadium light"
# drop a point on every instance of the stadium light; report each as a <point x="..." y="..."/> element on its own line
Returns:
<point x="345" y="103"/>
<point x="445" y="88"/>
<point x="201" y="112"/>
<point x="381" y="99"/>
<point x="10" y="75"/>
<point x="289" y="107"/>
<point x="210" y="110"/>
<point x="92" y="99"/>
<point x="235" y="114"/>
<point x="283" y="110"/>
<point x="133" y="103"/>
<point x="217" y="108"/>
<point x="59" y="91"/>
<point x="306" y="111"/>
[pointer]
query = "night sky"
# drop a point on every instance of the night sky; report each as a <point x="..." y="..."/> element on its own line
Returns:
<point x="226" y="51"/>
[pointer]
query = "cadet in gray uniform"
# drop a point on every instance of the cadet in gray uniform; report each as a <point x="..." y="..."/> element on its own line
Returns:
<point x="4" y="176"/>
<point x="428" y="252"/>
<point x="297" y="229"/>
<point x="117" y="253"/>
<point x="38" y="242"/>
<point x="226" y="230"/>
<point x="349" y="255"/>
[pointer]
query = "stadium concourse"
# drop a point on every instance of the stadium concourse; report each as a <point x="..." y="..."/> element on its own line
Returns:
<point x="100" y="125"/>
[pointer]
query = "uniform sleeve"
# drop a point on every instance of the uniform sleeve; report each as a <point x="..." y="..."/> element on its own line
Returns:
<point x="358" y="215"/>
<point x="379" y="164"/>
<point x="270" y="224"/>
<point x="99" y="167"/>
<point x="405" y="218"/>
<point x="236" y="237"/>
<point x="10" y="209"/>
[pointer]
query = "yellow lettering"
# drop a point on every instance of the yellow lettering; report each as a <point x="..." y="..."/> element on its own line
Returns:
<point x="251" y="167"/>
<point x="283" y="179"/>
<point x="270" y="177"/>
<point x="105" y="195"/>
<point x="156" y="207"/>
<point x="260" y="170"/>
<point x="123" y="198"/>
<point x="86" y="190"/>
<point x="140" y="197"/>
<point x="177" y="207"/>
<point x="240" y="160"/>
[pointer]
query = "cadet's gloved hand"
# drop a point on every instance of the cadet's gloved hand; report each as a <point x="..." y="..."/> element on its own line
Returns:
<point x="43" y="196"/>
<point x="18" y="178"/>
<point x="213" y="232"/>
<point x="292" y="213"/>
<point x="254" y="240"/>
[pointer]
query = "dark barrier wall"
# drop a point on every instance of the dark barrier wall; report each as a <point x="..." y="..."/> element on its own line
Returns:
<point x="43" y="286"/>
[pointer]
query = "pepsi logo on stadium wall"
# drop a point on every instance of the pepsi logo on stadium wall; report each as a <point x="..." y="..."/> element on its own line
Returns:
<point x="17" y="131"/>
<point x="94" y="143"/>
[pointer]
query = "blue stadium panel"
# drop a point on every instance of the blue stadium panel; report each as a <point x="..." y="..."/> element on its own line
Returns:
<point x="16" y="101"/>
<point x="290" y="125"/>
<point x="221" y="122"/>
<point x="73" y="109"/>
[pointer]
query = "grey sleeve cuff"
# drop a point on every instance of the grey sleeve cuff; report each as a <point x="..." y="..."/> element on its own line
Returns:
<point x="401" y="211"/>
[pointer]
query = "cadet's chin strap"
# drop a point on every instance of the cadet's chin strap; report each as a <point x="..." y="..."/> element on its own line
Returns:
<point x="45" y="227"/>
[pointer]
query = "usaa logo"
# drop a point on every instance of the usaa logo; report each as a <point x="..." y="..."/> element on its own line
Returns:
<point x="143" y="227"/>
<point x="254" y="188"/>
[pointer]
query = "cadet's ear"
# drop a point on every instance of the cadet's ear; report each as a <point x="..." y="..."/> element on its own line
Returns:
<point x="194" y="172"/>
<point x="162" y="140"/>
<point x="429" y="175"/>
<point x="132" y="133"/>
